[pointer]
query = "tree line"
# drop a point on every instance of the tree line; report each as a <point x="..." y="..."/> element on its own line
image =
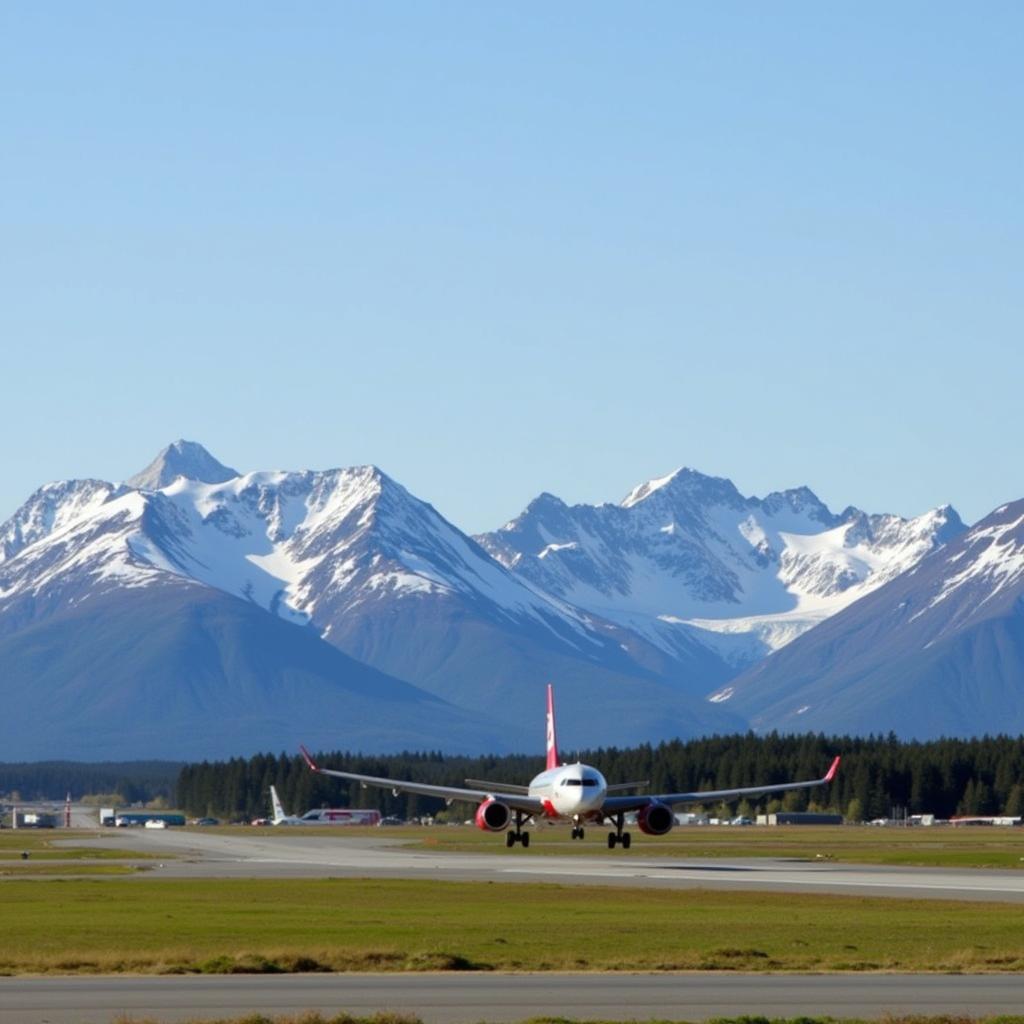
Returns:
<point x="879" y="774"/>
<point x="131" y="781"/>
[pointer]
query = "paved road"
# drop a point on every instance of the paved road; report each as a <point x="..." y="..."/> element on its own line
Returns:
<point x="454" y="999"/>
<point x="218" y="855"/>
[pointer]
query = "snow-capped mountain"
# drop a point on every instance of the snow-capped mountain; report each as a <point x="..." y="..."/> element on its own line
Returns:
<point x="311" y="547"/>
<point x="351" y="557"/>
<point x="181" y="458"/>
<point x="936" y="651"/>
<point x="688" y="556"/>
<point x="195" y="611"/>
<point x="49" y="510"/>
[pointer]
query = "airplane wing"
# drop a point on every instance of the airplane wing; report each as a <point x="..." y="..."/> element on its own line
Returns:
<point x="497" y="787"/>
<point x="518" y="802"/>
<point x="623" y="804"/>
<point x="618" y="787"/>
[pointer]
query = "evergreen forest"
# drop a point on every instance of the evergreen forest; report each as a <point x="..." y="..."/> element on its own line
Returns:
<point x="879" y="777"/>
<point x="129" y="781"/>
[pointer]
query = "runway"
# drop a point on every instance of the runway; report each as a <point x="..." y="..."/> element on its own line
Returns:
<point x="464" y="998"/>
<point x="218" y="855"/>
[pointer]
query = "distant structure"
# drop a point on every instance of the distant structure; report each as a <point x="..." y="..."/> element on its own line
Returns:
<point x="32" y="819"/>
<point x="799" y="818"/>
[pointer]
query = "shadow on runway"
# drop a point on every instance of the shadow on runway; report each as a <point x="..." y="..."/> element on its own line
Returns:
<point x="741" y="868"/>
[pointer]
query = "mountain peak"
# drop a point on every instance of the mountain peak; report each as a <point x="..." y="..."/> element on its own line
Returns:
<point x="647" y="488"/>
<point x="181" y="458"/>
<point x="684" y="482"/>
<point x="803" y="499"/>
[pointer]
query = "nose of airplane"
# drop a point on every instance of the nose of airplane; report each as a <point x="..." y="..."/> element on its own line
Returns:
<point x="579" y="792"/>
<point x="592" y="796"/>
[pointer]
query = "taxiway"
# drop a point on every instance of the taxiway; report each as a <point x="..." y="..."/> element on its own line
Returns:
<point x="211" y="854"/>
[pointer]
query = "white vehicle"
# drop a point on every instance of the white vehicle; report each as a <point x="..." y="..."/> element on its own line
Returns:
<point x="577" y="793"/>
<point x="322" y="815"/>
<point x="156" y="823"/>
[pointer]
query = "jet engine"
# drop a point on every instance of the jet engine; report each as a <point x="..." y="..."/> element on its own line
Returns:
<point x="493" y="816"/>
<point x="655" y="819"/>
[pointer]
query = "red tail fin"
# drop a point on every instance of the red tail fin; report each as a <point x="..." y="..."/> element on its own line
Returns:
<point x="309" y="758"/>
<point x="552" y="739"/>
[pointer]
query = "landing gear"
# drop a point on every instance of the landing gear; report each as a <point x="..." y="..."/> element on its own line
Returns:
<point x="618" y="836"/>
<point x="518" y="836"/>
<point x="577" y="832"/>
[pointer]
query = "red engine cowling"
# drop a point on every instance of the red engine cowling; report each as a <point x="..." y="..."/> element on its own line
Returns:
<point x="655" y="819"/>
<point x="493" y="816"/>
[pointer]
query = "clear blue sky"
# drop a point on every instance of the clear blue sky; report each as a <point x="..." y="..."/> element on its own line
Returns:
<point x="499" y="249"/>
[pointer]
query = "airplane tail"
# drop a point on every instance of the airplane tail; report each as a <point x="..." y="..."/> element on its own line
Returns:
<point x="275" y="802"/>
<point x="552" y="740"/>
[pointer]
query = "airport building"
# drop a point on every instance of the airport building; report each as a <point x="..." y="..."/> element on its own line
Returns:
<point x="33" y="819"/>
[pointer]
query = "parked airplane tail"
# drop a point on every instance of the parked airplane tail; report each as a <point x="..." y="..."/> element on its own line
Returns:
<point x="275" y="802"/>
<point x="553" y="761"/>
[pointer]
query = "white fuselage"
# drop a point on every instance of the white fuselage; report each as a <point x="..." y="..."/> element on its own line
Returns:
<point x="574" y="791"/>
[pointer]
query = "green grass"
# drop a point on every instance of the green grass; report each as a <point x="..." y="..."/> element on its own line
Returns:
<point x="206" y="925"/>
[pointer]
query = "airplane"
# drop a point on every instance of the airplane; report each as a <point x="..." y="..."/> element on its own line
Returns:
<point x="322" y="815"/>
<point x="577" y="793"/>
<point x="280" y="818"/>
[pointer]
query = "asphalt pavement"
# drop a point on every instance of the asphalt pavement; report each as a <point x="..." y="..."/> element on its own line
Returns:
<point x="464" y="998"/>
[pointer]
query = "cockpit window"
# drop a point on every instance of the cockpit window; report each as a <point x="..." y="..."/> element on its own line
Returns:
<point x="579" y="782"/>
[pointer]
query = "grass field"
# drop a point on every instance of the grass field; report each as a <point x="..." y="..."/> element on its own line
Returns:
<point x="151" y="925"/>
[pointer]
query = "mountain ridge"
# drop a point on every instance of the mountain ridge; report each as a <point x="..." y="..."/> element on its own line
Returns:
<point x="689" y="553"/>
<point x="655" y="615"/>
<point x="938" y="650"/>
